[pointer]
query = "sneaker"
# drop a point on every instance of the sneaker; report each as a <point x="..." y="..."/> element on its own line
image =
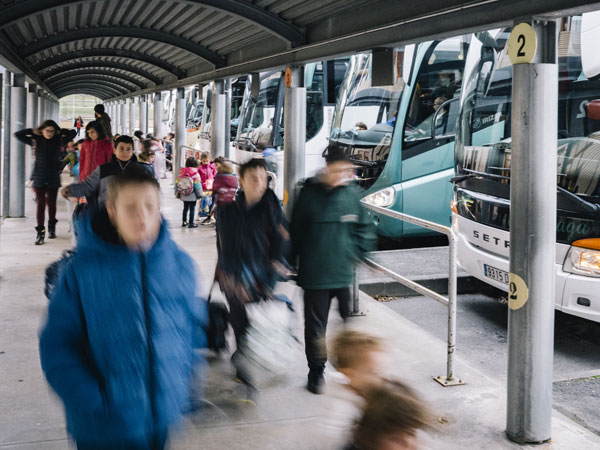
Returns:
<point x="192" y="225"/>
<point x="184" y="224"/>
<point x="315" y="382"/>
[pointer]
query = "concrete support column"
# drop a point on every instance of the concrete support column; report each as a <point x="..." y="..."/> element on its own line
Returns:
<point x="124" y="124"/>
<point x="7" y="80"/>
<point x="18" y="115"/>
<point x="117" y="125"/>
<point x="180" y="133"/>
<point x="131" y="116"/>
<point x="157" y="131"/>
<point x="533" y="241"/>
<point x="143" y="115"/>
<point x="228" y="118"/>
<point x="294" y="137"/>
<point x="218" y="120"/>
<point x="32" y="122"/>
<point x="40" y="112"/>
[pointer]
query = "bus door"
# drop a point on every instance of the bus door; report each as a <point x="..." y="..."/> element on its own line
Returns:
<point x="429" y="132"/>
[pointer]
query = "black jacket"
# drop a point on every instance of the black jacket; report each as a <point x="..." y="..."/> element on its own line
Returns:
<point x="48" y="156"/>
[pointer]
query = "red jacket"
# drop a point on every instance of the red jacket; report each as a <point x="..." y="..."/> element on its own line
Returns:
<point x="225" y="187"/>
<point x="92" y="155"/>
<point x="207" y="172"/>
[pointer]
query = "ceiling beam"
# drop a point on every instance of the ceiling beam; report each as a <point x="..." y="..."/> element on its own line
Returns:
<point x="102" y="64"/>
<point x="65" y="37"/>
<point x="108" y="53"/>
<point x="67" y="73"/>
<point x="90" y="82"/>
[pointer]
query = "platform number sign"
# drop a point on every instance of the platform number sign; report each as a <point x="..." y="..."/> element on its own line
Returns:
<point x="288" y="77"/>
<point x="522" y="44"/>
<point x="518" y="292"/>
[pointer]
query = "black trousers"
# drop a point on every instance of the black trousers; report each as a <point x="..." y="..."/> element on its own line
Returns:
<point x="316" y="313"/>
<point x="191" y="208"/>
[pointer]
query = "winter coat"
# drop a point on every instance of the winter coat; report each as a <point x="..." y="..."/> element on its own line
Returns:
<point x="48" y="156"/>
<point x="330" y="231"/>
<point x="72" y="159"/>
<point x="196" y="193"/>
<point x="252" y="246"/>
<point x="106" y="125"/>
<point x="207" y="172"/>
<point x="78" y="123"/>
<point x="94" y="154"/>
<point x="224" y="188"/>
<point x="95" y="185"/>
<point x="118" y="343"/>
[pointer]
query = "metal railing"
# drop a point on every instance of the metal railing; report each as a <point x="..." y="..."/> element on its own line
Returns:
<point x="450" y="301"/>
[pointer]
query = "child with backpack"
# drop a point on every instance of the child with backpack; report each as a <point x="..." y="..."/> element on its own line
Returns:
<point x="208" y="172"/>
<point x="224" y="188"/>
<point x="188" y="189"/>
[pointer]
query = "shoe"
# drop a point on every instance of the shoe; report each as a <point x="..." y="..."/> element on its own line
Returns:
<point x="315" y="382"/>
<point x="184" y="224"/>
<point x="41" y="234"/>
<point x="52" y="229"/>
<point x="206" y="221"/>
<point x="192" y="225"/>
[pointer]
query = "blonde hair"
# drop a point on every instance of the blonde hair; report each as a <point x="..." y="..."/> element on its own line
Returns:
<point x="348" y="347"/>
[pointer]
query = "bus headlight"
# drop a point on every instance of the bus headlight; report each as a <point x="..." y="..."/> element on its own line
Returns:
<point x="583" y="261"/>
<point x="383" y="198"/>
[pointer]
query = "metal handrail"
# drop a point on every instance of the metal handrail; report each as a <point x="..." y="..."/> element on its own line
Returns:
<point x="450" y="301"/>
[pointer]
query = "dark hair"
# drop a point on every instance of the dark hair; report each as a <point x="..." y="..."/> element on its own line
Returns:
<point x="254" y="163"/>
<point x="80" y="141"/>
<point x="335" y="153"/>
<point x="99" y="108"/>
<point x="205" y="155"/>
<point x="139" y="134"/>
<point x="135" y="175"/>
<point x="146" y="145"/>
<point x="49" y="123"/>
<point x="95" y="125"/>
<point x="191" y="162"/>
<point x="219" y="160"/>
<point x="171" y="134"/>
<point x="124" y="139"/>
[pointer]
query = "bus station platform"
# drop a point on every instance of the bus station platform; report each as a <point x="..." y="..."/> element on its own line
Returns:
<point x="286" y="416"/>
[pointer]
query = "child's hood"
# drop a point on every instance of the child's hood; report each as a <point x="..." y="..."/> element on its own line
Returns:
<point x="191" y="172"/>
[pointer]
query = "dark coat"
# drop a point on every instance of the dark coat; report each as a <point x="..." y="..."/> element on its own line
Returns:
<point x="49" y="161"/>
<point x="118" y="344"/>
<point x="253" y="244"/>
<point x="330" y="231"/>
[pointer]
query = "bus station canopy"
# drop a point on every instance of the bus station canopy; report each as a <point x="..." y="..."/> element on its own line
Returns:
<point x="121" y="48"/>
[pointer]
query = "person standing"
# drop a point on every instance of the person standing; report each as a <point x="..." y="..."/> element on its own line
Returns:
<point x="329" y="232"/>
<point x="78" y="125"/>
<point x="188" y="189"/>
<point x="104" y="120"/>
<point x="48" y="140"/>
<point x="123" y="323"/>
<point x="252" y="244"/>
<point x="208" y="172"/>
<point x="96" y="150"/>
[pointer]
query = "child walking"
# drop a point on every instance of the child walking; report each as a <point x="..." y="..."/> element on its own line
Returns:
<point x="188" y="189"/>
<point x="208" y="172"/>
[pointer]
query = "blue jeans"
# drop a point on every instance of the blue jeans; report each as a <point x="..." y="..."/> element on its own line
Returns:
<point x="205" y="205"/>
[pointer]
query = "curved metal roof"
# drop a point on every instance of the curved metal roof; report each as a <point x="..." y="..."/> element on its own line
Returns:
<point x="120" y="47"/>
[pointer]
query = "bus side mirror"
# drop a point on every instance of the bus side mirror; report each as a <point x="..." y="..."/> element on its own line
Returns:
<point x="593" y="110"/>
<point x="443" y="125"/>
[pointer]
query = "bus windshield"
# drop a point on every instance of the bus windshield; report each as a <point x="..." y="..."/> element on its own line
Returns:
<point x="483" y="148"/>
<point x="365" y="117"/>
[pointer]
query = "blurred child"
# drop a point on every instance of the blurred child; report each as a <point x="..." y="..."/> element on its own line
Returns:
<point x="146" y="157"/>
<point x="360" y="360"/>
<point x="124" y="386"/>
<point x="71" y="159"/>
<point x="392" y="416"/>
<point x="224" y="187"/>
<point x="169" y="150"/>
<point x="208" y="172"/>
<point x="188" y="189"/>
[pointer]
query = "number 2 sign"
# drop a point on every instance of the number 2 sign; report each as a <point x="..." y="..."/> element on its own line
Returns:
<point x="522" y="44"/>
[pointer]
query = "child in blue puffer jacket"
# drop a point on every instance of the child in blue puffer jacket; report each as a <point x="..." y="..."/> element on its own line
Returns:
<point x="123" y="323"/>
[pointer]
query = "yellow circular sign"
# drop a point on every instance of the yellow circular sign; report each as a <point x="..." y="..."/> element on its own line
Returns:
<point x="522" y="44"/>
<point x="518" y="292"/>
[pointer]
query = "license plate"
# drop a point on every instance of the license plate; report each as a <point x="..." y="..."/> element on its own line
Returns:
<point x="495" y="274"/>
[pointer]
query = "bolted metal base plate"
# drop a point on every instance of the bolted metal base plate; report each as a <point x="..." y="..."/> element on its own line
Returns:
<point x="357" y="314"/>
<point x="452" y="382"/>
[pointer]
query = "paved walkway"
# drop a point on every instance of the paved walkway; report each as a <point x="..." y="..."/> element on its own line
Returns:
<point x="31" y="417"/>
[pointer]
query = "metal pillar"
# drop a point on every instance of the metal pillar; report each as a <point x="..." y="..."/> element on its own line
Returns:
<point x="6" y="144"/>
<point x="117" y="118"/>
<point x="124" y="124"/>
<point x="532" y="242"/>
<point x="18" y="115"/>
<point x="228" y="119"/>
<point x="143" y="115"/>
<point x="294" y="137"/>
<point x="218" y="120"/>
<point x="179" y="131"/>
<point x="157" y="115"/>
<point x="131" y="116"/>
<point x="40" y="111"/>
<point x="32" y="122"/>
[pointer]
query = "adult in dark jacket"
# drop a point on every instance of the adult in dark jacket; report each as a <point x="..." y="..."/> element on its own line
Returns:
<point x="123" y="322"/>
<point x="104" y="120"/>
<point x="330" y="231"/>
<point x="47" y="141"/>
<point x="94" y="187"/>
<point x="252" y="241"/>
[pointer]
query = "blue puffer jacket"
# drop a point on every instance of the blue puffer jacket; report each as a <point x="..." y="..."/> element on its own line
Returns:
<point x="118" y="345"/>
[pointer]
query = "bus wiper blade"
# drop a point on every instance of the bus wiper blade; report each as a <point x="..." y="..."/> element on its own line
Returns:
<point x="584" y="204"/>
